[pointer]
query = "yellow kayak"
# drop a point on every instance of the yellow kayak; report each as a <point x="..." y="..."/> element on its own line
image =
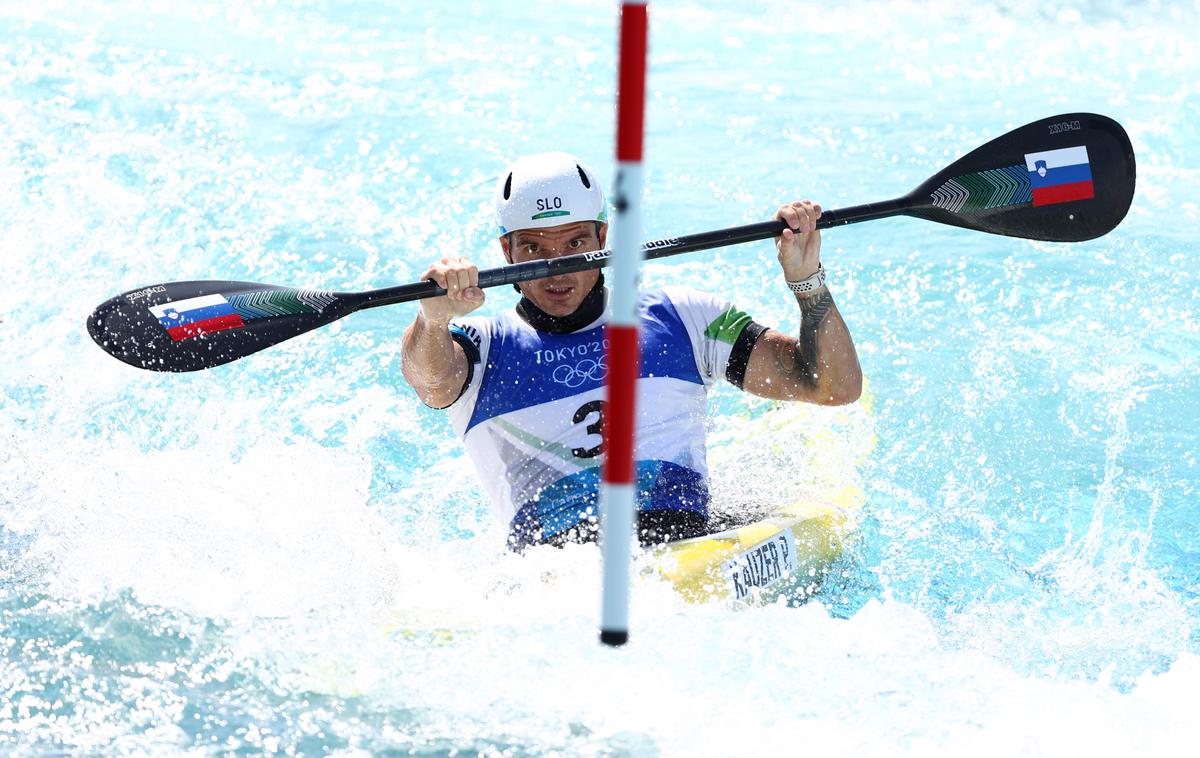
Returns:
<point x="800" y="463"/>
<point x="789" y="554"/>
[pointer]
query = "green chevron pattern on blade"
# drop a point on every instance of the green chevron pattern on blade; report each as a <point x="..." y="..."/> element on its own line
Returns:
<point x="269" y="303"/>
<point x="985" y="190"/>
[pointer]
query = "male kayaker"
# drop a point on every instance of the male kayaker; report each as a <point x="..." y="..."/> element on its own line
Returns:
<point x="525" y="389"/>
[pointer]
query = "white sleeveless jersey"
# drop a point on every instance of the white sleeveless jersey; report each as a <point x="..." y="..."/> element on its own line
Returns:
<point x="532" y="412"/>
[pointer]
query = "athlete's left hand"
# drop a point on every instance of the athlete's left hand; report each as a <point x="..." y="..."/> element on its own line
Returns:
<point x="799" y="245"/>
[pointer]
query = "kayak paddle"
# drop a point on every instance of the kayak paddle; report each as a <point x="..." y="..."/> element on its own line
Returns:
<point x="1066" y="178"/>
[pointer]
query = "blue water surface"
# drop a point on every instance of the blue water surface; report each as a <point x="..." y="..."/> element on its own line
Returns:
<point x="289" y="554"/>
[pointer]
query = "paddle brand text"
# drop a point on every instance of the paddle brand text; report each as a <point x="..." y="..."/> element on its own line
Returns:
<point x="1065" y="126"/>
<point x="133" y="297"/>
<point x="668" y="242"/>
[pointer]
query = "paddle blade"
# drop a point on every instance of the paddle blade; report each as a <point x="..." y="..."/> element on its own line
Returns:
<point x="1066" y="178"/>
<point x="188" y="326"/>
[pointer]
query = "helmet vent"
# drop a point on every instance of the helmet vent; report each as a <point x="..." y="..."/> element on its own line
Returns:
<point x="508" y="186"/>
<point x="583" y="177"/>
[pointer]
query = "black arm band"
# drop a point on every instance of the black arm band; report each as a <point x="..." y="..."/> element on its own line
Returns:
<point x="739" y="357"/>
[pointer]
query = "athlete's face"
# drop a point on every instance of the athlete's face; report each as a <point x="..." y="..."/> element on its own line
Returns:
<point x="558" y="295"/>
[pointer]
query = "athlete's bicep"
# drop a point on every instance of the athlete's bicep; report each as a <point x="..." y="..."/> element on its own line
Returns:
<point x="441" y="390"/>
<point x="775" y="369"/>
<point x="467" y="358"/>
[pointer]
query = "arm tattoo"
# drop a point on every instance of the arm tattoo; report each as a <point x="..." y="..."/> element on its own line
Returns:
<point x="813" y="310"/>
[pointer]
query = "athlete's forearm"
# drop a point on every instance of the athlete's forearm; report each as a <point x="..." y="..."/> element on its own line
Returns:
<point x="825" y="359"/>
<point x="432" y="362"/>
<point x="819" y="365"/>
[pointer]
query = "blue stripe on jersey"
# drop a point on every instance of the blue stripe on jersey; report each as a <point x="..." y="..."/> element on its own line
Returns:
<point x="666" y="348"/>
<point x="526" y="367"/>
<point x="661" y="485"/>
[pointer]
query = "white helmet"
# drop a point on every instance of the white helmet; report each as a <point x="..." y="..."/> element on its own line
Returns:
<point x="548" y="189"/>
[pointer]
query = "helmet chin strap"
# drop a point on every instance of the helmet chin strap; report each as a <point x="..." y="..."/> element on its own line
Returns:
<point x="588" y="311"/>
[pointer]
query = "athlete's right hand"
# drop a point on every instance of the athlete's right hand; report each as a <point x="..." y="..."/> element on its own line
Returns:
<point x="460" y="278"/>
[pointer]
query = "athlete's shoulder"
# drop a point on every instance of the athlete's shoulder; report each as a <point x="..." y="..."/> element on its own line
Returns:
<point x="474" y="329"/>
<point x="489" y="324"/>
<point x="710" y="317"/>
<point x="674" y="293"/>
<point x="684" y="296"/>
<point x="482" y="332"/>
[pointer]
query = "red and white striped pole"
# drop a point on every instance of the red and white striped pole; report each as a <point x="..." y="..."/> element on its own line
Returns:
<point x="618" y="499"/>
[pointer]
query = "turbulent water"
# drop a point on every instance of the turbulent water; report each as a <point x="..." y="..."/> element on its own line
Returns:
<point x="289" y="554"/>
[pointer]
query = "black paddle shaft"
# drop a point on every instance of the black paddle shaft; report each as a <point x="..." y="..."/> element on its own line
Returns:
<point x="664" y="248"/>
<point x="1012" y="186"/>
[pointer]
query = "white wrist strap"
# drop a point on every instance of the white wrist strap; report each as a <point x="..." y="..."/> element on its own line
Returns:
<point x="811" y="284"/>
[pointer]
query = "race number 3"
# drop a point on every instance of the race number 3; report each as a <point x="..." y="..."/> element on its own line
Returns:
<point x="596" y="427"/>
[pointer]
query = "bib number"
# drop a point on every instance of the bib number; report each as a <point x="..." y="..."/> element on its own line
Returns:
<point x="585" y="411"/>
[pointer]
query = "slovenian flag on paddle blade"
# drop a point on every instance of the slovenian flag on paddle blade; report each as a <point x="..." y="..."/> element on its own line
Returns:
<point x="1060" y="176"/>
<point x="196" y="316"/>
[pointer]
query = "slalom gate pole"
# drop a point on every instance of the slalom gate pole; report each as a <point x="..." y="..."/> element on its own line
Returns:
<point x="617" y="495"/>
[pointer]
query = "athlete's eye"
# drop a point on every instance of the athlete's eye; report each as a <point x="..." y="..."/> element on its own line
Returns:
<point x="577" y="243"/>
<point x="531" y="248"/>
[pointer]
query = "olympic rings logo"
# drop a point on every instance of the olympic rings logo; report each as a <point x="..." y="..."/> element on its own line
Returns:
<point x="583" y="371"/>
